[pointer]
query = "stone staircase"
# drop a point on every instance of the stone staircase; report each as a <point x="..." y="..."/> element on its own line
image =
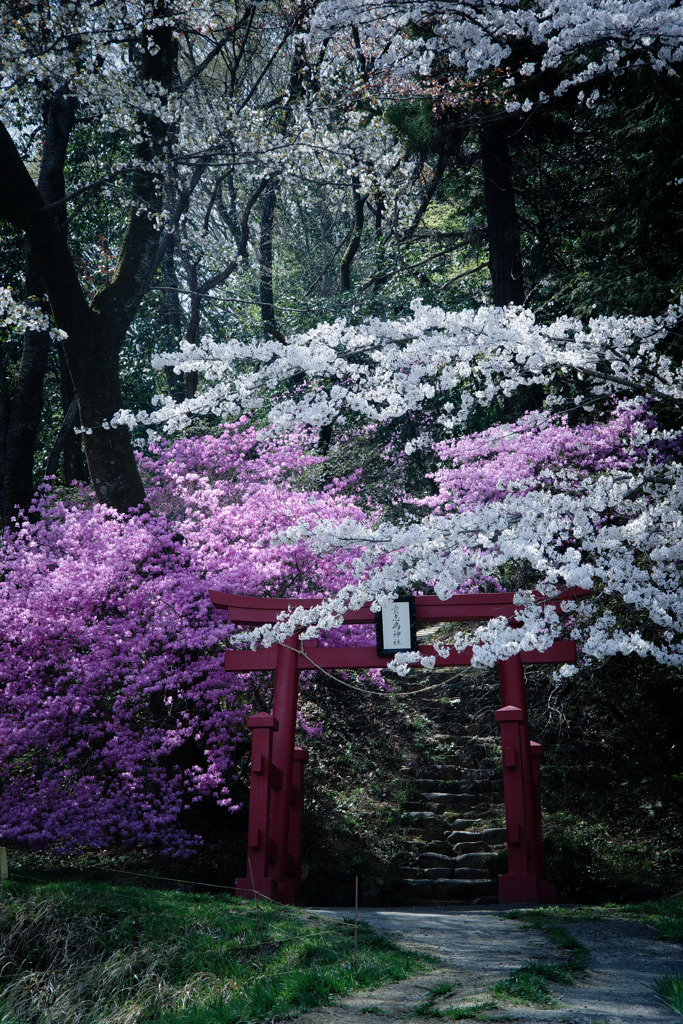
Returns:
<point x="450" y="844"/>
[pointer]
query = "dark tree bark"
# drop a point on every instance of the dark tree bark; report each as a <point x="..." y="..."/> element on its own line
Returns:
<point x="96" y="331"/>
<point x="69" y="443"/>
<point x="20" y="425"/>
<point x="66" y="431"/>
<point x="505" y="258"/>
<point x="354" y="245"/>
<point x="172" y="319"/>
<point x="266" y="296"/>
<point x="25" y="407"/>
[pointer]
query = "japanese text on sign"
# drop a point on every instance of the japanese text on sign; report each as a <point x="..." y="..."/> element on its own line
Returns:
<point x="396" y="626"/>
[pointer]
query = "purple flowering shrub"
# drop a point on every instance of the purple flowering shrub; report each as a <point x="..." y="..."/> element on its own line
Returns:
<point x="532" y="453"/>
<point x="117" y="714"/>
<point x="118" y="717"/>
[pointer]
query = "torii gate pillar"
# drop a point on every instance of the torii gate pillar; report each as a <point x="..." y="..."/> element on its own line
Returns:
<point x="274" y="854"/>
<point x="524" y="882"/>
<point x="284" y="710"/>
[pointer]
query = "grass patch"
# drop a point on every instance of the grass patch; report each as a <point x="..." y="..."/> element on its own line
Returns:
<point x="529" y="984"/>
<point x="441" y="990"/>
<point x="478" y="1011"/>
<point x="670" y="990"/>
<point x="664" y="915"/>
<point x="93" y="953"/>
<point x="575" y="955"/>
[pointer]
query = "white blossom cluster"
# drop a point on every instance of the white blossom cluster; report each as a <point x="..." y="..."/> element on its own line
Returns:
<point x="18" y="317"/>
<point x="616" y="533"/>
<point x="569" y="539"/>
<point x="381" y="370"/>
<point x="229" y="124"/>
<point x="407" y="39"/>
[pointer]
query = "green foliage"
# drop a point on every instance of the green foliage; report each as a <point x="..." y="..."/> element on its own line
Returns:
<point x="599" y="204"/>
<point x="428" y="1007"/>
<point x="417" y="125"/>
<point x="611" y="779"/>
<point x="670" y="989"/>
<point x="529" y="984"/>
<point x="478" y="1011"/>
<point x="101" y="953"/>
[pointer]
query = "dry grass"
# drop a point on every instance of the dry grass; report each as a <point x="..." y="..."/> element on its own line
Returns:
<point x="74" y="953"/>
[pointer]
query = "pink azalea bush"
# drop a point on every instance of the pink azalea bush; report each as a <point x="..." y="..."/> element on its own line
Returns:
<point x="534" y="452"/>
<point x="118" y="717"/>
<point x="117" y="714"/>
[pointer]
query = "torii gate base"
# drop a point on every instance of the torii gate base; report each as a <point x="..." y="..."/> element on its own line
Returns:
<point x="277" y="765"/>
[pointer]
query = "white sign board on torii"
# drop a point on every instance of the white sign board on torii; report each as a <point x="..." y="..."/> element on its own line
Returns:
<point x="396" y="627"/>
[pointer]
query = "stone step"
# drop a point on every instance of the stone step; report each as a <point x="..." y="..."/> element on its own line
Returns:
<point x="436" y="872"/>
<point x="438" y="771"/>
<point x="412" y="871"/>
<point x="420" y="817"/>
<point x="425" y="835"/>
<point x="418" y="846"/>
<point x="494" y="836"/>
<point x="418" y="888"/>
<point x="460" y="785"/>
<point x="448" y="798"/>
<point x="471" y="847"/>
<point x="481" y="774"/>
<point x="449" y="838"/>
<point x="465" y="824"/>
<point x="470" y="873"/>
<point x="464" y="837"/>
<point x="409" y="871"/>
<point x="473" y="860"/>
<point x="437" y="783"/>
<point x="436" y="860"/>
<point x="463" y="890"/>
<point x="435" y="802"/>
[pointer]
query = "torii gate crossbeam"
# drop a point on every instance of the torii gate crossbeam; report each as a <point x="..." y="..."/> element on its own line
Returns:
<point x="276" y="786"/>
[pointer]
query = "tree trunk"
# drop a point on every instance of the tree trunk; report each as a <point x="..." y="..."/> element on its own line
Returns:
<point x="75" y="466"/>
<point x="94" y="365"/>
<point x="354" y="244"/>
<point x="66" y="431"/>
<point x="266" y="296"/>
<point x="95" y="333"/>
<point x="172" y="320"/>
<point x="25" y="405"/>
<point x="505" y="258"/>
<point x="193" y="322"/>
<point x="23" y="422"/>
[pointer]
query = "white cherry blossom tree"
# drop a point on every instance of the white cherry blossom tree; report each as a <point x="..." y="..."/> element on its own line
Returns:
<point x="617" y="530"/>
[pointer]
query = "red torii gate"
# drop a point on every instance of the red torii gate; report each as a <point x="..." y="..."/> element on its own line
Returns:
<point x="276" y="785"/>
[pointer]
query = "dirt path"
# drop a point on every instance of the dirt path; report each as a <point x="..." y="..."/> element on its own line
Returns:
<point x="478" y="947"/>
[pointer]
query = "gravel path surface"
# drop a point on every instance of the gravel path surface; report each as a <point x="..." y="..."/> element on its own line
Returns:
<point x="477" y="947"/>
